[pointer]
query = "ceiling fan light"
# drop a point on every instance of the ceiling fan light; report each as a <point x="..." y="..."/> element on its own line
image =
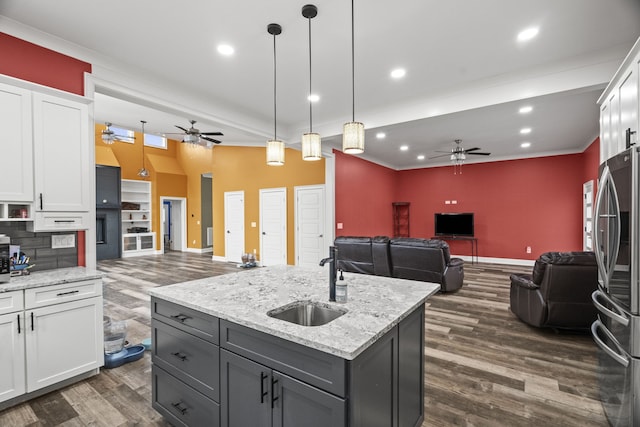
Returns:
<point x="108" y="137"/>
<point x="353" y="138"/>
<point x="193" y="139"/>
<point x="311" y="146"/>
<point x="275" y="152"/>
<point x="144" y="173"/>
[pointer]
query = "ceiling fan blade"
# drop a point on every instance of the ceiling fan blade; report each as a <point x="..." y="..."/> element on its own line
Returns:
<point x="441" y="155"/>
<point x="181" y="128"/>
<point x="215" y="141"/>
<point x="480" y="154"/>
<point x="471" y="149"/>
<point x="212" y="133"/>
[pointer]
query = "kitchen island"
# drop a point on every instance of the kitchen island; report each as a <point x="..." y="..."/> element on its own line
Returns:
<point x="222" y="357"/>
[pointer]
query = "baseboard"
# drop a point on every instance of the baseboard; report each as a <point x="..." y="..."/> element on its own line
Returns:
<point x="490" y="260"/>
<point x="218" y="258"/>
<point x="199" y="250"/>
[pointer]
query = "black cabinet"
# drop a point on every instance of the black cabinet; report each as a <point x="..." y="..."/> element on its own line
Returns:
<point x="255" y="395"/>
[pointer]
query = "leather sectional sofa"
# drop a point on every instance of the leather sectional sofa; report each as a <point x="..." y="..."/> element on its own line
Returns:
<point x="427" y="260"/>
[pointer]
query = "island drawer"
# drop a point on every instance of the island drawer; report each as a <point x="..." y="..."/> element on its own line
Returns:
<point x="312" y="366"/>
<point x="180" y="404"/>
<point x="56" y="294"/>
<point x="194" y="322"/>
<point x="188" y="358"/>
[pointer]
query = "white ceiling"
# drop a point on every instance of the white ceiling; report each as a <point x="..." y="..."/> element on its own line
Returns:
<point x="156" y="60"/>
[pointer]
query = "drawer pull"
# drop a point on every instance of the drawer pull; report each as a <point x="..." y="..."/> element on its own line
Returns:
<point x="18" y="323"/>
<point x="182" y="357"/>
<point x="180" y="317"/>
<point x="179" y="407"/>
<point x="61" y="294"/>
<point x="66" y="221"/>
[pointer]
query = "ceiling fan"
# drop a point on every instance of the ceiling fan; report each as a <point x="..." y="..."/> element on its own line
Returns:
<point x="109" y="136"/>
<point x="458" y="154"/>
<point x="194" y="136"/>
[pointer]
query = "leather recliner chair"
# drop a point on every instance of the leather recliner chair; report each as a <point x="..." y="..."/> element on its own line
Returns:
<point x="558" y="293"/>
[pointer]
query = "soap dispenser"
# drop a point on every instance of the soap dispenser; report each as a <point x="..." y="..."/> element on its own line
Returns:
<point x="341" y="289"/>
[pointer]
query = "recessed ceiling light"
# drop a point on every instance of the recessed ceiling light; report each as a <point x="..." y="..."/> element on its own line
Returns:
<point x="225" y="49"/>
<point x="525" y="145"/>
<point x="421" y="157"/>
<point x="528" y="34"/>
<point x="525" y="131"/>
<point x="381" y="135"/>
<point x="404" y="147"/>
<point x="398" y="73"/>
<point x="313" y="97"/>
<point x="526" y="109"/>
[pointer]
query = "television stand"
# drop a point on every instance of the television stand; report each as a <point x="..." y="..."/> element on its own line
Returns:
<point x="472" y="240"/>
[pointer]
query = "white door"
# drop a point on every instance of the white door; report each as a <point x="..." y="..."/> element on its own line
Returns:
<point x="310" y="206"/>
<point x="12" y="332"/>
<point x="587" y="209"/>
<point x="273" y="226"/>
<point x="234" y="225"/>
<point x="62" y="341"/>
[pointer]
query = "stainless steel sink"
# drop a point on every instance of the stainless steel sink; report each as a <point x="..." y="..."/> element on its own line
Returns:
<point x="306" y="313"/>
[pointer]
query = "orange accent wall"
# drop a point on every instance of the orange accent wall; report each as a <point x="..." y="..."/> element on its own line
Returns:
<point x="245" y="169"/>
<point x="364" y="194"/>
<point x="531" y="202"/>
<point x="27" y="61"/>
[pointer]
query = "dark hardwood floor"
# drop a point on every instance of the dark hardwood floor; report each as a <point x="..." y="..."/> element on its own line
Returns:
<point x="483" y="367"/>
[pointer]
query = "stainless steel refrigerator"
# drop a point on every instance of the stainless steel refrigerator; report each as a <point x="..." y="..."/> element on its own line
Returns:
<point x="617" y="330"/>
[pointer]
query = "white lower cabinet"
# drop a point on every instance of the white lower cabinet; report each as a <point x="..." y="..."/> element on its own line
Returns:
<point x="53" y="333"/>
<point x="12" y="361"/>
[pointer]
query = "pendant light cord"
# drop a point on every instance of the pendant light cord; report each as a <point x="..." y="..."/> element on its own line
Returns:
<point x="275" y="121"/>
<point x="353" y="72"/>
<point x="310" y="103"/>
<point x="143" y="122"/>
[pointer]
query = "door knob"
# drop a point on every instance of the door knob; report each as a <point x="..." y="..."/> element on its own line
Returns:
<point x="264" y="234"/>
<point x="320" y="235"/>
<point x="228" y="232"/>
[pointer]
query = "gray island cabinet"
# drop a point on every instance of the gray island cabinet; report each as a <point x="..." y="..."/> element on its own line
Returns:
<point x="220" y="360"/>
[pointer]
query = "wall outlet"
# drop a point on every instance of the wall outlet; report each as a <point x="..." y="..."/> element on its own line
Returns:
<point x="340" y="225"/>
<point x="528" y="249"/>
<point x="253" y="224"/>
<point x="447" y="202"/>
<point x="59" y="241"/>
<point x="454" y="202"/>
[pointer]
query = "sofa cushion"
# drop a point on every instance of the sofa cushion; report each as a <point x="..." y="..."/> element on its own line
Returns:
<point x="424" y="243"/>
<point x="557" y="258"/>
<point x="354" y="254"/>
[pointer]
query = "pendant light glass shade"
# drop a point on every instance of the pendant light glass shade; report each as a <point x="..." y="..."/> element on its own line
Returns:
<point x="311" y="146"/>
<point x="275" y="152"/>
<point x="353" y="138"/>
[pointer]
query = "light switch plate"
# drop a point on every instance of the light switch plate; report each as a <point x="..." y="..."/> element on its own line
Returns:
<point x="59" y="241"/>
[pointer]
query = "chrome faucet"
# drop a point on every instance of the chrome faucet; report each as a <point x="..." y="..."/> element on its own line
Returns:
<point x="333" y="259"/>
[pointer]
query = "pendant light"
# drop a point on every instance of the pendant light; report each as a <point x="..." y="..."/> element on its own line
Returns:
<point x="311" y="143"/>
<point x="143" y="173"/>
<point x="275" y="147"/>
<point x="353" y="132"/>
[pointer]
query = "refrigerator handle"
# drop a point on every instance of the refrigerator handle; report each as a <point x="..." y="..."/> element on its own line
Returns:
<point x="597" y="325"/>
<point x="597" y="244"/>
<point x="619" y="316"/>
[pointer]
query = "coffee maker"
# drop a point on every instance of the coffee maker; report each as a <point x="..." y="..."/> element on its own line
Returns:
<point x="5" y="259"/>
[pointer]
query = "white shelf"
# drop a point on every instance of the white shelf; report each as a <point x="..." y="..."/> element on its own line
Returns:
<point x="139" y="193"/>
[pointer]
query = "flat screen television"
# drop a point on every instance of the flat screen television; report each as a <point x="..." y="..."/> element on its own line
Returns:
<point x="454" y="224"/>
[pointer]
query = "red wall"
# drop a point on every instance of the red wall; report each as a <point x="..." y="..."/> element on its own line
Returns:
<point x="364" y="193"/>
<point x="37" y="64"/>
<point x="531" y="202"/>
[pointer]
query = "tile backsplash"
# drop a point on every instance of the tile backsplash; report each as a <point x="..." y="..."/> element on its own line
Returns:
<point x="38" y="246"/>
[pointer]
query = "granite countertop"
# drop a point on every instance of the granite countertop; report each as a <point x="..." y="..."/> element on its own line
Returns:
<point x="374" y="304"/>
<point x="50" y="277"/>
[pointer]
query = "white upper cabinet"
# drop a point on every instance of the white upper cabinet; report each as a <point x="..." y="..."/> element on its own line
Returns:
<point x="16" y="144"/>
<point x="61" y="143"/>
<point x="619" y="119"/>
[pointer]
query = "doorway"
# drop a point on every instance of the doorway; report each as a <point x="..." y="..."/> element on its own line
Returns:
<point x="587" y="209"/>
<point x="273" y="226"/>
<point x="234" y="225"/>
<point x="310" y="225"/>
<point x="173" y="224"/>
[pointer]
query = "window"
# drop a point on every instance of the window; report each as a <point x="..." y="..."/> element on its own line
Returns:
<point x="129" y="135"/>
<point x="155" y="141"/>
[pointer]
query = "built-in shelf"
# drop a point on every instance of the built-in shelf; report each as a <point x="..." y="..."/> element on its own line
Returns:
<point x="18" y="211"/>
<point x="137" y="235"/>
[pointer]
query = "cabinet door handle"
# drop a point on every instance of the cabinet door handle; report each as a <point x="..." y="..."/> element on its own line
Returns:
<point x="263" y="393"/>
<point x="274" y="382"/>
<point x="179" y="407"/>
<point x="66" y="221"/>
<point x="18" y="323"/>
<point x="40" y="201"/>
<point x="180" y="317"/>
<point x="32" y="320"/>
<point x="67" y="293"/>
<point x="182" y="357"/>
